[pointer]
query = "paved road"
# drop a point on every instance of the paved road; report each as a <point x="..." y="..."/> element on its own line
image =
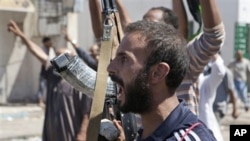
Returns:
<point x="24" y="122"/>
<point x="21" y="123"/>
<point x="244" y="118"/>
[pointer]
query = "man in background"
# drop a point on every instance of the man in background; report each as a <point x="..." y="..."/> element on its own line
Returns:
<point x="42" y="87"/>
<point x="240" y="68"/>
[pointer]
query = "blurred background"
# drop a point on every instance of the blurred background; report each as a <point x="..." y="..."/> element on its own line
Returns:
<point x="20" y="116"/>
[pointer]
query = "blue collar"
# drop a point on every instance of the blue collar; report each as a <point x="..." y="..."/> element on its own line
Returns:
<point x="171" y="123"/>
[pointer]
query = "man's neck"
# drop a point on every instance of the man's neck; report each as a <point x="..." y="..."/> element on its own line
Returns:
<point x="152" y="120"/>
<point x="239" y="59"/>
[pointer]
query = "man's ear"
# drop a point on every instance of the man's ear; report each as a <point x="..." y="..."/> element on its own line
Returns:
<point x="158" y="72"/>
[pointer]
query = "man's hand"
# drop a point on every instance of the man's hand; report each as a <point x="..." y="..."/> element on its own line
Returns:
<point x="108" y="130"/>
<point x="66" y="36"/>
<point x="235" y="114"/>
<point x="81" y="137"/>
<point x="12" y="26"/>
<point x="118" y="125"/>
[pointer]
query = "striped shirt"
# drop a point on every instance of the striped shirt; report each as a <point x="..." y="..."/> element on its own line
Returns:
<point x="200" y="51"/>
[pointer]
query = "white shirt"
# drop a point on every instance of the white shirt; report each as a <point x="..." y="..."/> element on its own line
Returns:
<point x="207" y="88"/>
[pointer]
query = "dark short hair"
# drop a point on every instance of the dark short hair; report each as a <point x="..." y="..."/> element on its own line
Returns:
<point x="164" y="45"/>
<point x="46" y="39"/>
<point x="169" y="16"/>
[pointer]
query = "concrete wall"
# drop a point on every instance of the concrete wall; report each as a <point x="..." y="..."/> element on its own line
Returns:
<point x="16" y="66"/>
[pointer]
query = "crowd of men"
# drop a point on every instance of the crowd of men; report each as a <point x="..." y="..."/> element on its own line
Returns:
<point x="180" y="87"/>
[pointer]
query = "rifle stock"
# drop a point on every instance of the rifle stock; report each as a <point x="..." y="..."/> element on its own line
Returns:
<point x="106" y="51"/>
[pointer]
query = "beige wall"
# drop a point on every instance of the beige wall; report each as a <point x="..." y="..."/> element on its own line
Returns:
<point x="16" y="67"/>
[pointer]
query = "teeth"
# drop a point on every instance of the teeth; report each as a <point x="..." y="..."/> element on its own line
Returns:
<point x="117" y="88"/>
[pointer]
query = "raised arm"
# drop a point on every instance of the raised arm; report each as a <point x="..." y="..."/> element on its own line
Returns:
<point x="210" y="13"/>
<point x="209" y="42"/>
<point x="124" y="16"/>
<point x="179" y="10"/>
<point x="32" y="47"/>
<point x="96" y="18"/>
<point x="86" y="57"/>
<point x="68" y="39"/>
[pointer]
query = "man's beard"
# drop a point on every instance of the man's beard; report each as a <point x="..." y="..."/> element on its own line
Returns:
<point x="137" y="95"/>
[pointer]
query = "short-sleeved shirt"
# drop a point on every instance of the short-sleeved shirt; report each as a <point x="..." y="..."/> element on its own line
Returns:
<point x="240" y="69"/>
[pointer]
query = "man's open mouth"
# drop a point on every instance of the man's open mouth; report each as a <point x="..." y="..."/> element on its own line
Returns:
<point x="120" y="91"/>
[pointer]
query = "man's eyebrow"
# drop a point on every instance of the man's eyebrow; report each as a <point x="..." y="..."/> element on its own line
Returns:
<point x="121" y="54"/>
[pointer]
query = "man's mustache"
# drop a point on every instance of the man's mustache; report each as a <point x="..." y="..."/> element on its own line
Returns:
<point x="116" y="79"/>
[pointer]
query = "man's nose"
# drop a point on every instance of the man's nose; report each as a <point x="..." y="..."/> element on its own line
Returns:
<point x="110" y="68"/>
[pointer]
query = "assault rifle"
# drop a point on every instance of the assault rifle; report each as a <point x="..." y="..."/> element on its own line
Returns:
<point x="80" y="76"/>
